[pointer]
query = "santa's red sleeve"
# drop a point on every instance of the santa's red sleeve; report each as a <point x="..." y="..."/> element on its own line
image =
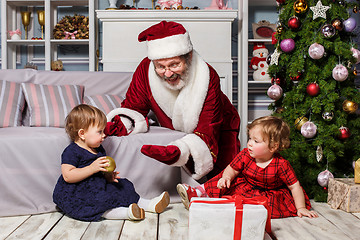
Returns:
<point x="135" y="106"/>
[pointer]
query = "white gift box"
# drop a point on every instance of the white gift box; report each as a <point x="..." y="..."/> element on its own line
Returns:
<point x="214" y="218"/>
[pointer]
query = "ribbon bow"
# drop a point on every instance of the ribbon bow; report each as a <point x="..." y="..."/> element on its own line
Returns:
<point x="17" y="31"/>
<point x="69" y="34"/>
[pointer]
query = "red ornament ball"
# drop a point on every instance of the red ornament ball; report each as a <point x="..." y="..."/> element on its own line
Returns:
<point x="294" y="23"/>
<point x="313" y="89"/>
<point x="281" y="1"/>
<point x="344" y="133"/>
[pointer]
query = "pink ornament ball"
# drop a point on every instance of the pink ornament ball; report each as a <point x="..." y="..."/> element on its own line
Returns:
<point x="349" y="24"/>
<point x="356" y="55"/>
<point x="275" y="92"/>
<point x="340" y="73"/>
<point x="287" y="45"/>
<point x="308" y="129"/>
<point x="316" y="51"/>
<point x="323" y="178"/>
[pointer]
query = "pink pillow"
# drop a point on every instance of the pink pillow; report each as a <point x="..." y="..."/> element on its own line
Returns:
<point x="48" y="105"/>
<point x="12" y="103"/>
<point x="104" y="102"/>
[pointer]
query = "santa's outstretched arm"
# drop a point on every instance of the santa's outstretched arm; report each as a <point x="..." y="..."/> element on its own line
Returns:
<point x="179" y="152"/>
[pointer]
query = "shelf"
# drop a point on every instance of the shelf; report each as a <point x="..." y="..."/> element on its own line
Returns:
<point x="70" y="41"/>
<point x="26" y="42"/>
<point x="258" y="82"/>
<point x="266" y="40"/>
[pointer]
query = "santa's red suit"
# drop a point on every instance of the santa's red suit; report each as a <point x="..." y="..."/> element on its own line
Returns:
<point x="199" y="109"/>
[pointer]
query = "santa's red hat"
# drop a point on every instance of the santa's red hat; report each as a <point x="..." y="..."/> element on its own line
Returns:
<point x="166" y="40"/>
<point x="258" y="46"/>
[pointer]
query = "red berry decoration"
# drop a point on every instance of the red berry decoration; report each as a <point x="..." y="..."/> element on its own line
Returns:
<point x="313" y="89"/>
<point x="344" y="133"/>
<point x="296" y="78"/>
<point x="294" y="23"/>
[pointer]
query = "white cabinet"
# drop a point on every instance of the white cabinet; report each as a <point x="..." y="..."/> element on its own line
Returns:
<point x="249" y="108"/>
<point x="210" y="33"/>
<point x="11" y="20"/>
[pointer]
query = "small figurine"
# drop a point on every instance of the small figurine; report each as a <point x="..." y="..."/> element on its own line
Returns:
<point x="15" y="35"/>
<point x="57" y="65"/>
<point x="258" y="62"/>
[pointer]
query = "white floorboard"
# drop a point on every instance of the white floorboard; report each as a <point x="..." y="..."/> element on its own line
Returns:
<point x="172" y="224"/>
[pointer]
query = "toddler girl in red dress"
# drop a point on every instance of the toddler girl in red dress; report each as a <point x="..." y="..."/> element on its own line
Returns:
<point x="259" y="170"/>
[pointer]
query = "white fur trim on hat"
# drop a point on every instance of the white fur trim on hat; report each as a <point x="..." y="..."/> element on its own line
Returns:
<point x="172" y="46"/>
<point x="139" y="120"/>
<point x="193" y="145"/>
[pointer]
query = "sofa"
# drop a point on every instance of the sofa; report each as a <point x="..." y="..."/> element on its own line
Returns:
<point x="31" y="145"/>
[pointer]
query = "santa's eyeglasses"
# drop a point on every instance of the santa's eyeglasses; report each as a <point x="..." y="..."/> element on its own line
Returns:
<point x="173" y="68"/>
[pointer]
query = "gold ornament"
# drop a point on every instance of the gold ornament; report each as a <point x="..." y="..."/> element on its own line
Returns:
<point x="350" y="106"/>
<point x="300" y="6"/>
<point x="300" y="121"/>
<point x="112" y="165"/>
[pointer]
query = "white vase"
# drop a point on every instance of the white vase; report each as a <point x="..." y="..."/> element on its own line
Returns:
<point x="112" y="4"/>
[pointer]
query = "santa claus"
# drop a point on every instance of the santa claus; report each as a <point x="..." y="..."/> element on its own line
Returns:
<point x="183" y="91"/>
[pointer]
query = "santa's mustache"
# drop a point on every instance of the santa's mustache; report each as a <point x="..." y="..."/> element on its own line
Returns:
<point x="172" y="77"/>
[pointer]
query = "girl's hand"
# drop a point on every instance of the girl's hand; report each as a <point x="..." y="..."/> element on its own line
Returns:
<point x="112" y="176"/>
<point x="224" y="182"/>
<point x="304" y="212"/>
<point x="99" y="165"/>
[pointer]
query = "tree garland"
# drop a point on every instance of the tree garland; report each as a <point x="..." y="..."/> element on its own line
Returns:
<point x="72" y="27"/>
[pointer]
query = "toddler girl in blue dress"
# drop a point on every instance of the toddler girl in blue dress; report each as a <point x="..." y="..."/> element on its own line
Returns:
<point x="85" y="190"/>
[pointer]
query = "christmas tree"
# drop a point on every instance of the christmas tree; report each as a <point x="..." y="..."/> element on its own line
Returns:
<point x="313" y="72"/>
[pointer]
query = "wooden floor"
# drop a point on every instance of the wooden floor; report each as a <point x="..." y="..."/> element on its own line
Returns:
<point x="173" y="225"/>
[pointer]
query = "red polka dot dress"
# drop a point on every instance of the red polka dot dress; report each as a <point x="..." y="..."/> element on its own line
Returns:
<point x="271" y="181"/>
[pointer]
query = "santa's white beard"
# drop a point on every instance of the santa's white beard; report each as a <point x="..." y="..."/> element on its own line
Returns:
<point x="182" y="82"/>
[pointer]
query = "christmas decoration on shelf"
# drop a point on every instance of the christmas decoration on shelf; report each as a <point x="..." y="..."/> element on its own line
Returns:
<point x="263" y="29"/>
<point x="258" y="62"/>
<point x="72" y="27"/>
<point x="315" y="57"/>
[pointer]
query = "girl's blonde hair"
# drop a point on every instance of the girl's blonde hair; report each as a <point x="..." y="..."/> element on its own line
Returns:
<point x="274" y="129"/>
<point x="82" y="117"/>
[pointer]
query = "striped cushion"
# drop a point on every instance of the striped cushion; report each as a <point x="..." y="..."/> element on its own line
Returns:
<point x="48" y="105"/>
<point x="104" y="102"/>
<point x="11" y="104"/>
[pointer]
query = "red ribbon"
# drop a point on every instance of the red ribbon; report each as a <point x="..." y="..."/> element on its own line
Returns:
<point x="239" y="202"/>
